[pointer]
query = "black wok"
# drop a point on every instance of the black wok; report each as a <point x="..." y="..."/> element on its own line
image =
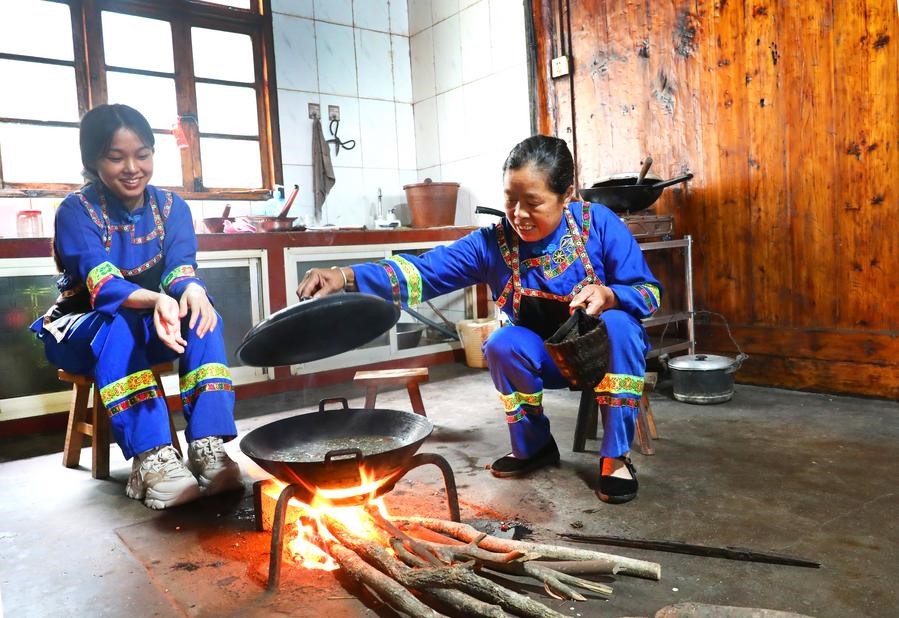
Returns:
<point x="621" y="193"/>
<point x="326" y="449"/>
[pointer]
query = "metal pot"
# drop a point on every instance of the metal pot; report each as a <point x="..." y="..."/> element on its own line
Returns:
<point x="704" y="378"/>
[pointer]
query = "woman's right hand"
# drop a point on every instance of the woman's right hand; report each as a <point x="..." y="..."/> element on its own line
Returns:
<point x="318" y="282"/>
<point x="166" y="318"/>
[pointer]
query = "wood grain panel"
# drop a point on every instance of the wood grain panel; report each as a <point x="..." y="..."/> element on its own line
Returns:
<point x="786" y="113"/>
<point x="814" y="375"/>
<point x="805" y="53"/>
<point x="771" y="267"/>
<point x="593" y="115"/>
<point x="873" y="348"/>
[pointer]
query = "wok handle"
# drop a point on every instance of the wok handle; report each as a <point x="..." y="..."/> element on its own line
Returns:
<point x="357" y="454"/>
<point x="647" y="162"/>
<point x="673" y="181"/>
<point x="324" y="402"/>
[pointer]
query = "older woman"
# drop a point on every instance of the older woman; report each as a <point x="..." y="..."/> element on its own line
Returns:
<point x="130" y="298"/>
<point x="548" y="256"/>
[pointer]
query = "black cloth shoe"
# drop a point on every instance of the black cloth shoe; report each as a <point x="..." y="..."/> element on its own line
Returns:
<point x="509" y="466"/>
<point x="616" y="490"/>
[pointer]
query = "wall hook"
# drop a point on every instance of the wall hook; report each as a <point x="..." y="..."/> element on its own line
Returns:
<point x="333" y="127"/>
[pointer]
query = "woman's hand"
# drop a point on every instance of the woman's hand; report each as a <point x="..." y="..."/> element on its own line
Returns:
<point x="168" y="322"/>
<point x="202" y="314"/>
<point x="318" y="282"/>
<point x="594" y="299"/>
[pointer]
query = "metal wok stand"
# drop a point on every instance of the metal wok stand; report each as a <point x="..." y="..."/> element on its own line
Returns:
<point x="291" y="491"/>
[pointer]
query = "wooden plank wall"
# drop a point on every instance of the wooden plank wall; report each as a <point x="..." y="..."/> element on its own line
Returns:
<point x="787" y="112"/>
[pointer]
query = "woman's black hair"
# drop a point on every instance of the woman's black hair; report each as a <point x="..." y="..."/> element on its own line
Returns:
<point x="549" y="155"/>
<point x="98" y="127"/>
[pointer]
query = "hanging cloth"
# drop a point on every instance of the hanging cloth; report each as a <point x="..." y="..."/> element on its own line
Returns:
<point x="322" y="170"/>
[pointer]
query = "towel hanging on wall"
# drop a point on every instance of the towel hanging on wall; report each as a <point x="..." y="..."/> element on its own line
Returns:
<point x="322" y="170"/>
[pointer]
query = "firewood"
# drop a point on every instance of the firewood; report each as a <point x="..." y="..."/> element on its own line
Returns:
<point x="467" y="604"/>
<point x="556" y="583"/>
<point x="581" y="567"/>
<point x="444" y="577"/>
<point x="466" y="533"/>
<point x="391" y="592"/>
<point x="433" y="558"/>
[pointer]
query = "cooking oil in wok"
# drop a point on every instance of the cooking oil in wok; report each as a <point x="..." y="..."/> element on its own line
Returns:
<point x="316" y="451"/>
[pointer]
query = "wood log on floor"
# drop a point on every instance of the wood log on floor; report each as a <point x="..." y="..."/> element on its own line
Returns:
<point x="466" y="533"/>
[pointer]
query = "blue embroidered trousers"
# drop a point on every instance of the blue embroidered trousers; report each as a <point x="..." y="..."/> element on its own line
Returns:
<point x="521" y="369"/>
<point x="119" y="351"/>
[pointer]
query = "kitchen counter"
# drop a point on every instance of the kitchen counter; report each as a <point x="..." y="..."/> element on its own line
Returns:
<point x="40" y="247"/>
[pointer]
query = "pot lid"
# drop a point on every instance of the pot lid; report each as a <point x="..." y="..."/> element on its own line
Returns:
<point x="317" y="328"/>
<point x="701" y="362"/>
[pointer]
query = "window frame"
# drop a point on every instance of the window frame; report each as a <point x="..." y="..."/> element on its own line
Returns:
<point x="90" y="82"/>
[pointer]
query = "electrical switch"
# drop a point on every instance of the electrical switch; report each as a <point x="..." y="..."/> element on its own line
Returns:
<point x="559" y="66"/>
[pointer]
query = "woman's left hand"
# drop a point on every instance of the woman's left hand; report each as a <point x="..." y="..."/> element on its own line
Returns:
<point x="594" y="299"/>
<point x="202" y="314"/>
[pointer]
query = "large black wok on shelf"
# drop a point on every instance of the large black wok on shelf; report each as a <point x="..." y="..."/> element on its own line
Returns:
<point x="622" y="193"/>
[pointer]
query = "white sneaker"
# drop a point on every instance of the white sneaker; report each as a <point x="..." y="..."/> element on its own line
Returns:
<point x="160" y="479"/>
<point x="215" y="471"/>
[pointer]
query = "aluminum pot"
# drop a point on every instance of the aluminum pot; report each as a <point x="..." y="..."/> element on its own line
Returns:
<point x="704" y="378"/>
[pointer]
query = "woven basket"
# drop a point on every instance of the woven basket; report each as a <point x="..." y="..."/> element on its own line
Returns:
<point x="473" y="334"/>
<point x="580" y="349"/>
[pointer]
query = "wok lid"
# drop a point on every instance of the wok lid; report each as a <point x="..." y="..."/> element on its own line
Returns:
<point x="317" y="328"/>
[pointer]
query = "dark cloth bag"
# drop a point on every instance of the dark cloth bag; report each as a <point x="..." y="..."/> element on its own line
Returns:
<point x="580" y="349"/>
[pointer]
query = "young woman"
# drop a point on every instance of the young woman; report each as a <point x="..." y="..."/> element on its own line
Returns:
<point x="548" y="256"/>
<point x="129" y="299"/>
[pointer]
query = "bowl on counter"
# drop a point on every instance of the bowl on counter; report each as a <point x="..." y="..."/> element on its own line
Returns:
<point x="408" y="334"/>
<point x="273" y="224"/>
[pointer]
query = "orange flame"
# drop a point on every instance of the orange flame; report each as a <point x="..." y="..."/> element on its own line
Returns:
<point x="309" y="526"/>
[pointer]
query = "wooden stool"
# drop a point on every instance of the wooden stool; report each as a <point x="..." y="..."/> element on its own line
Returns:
<point x="588" y="419"/>
<point x="94" y="422"/>
<point x="373" y="380"/>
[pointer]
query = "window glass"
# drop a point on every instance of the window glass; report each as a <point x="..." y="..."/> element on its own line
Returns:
<point x="222" y="55"/>
<point x="137" y="42"/>
<point x="227" y="109"/>
<point x="230" y="163"/>
<point x="49" y="95"/>
<point x="154" y="97"/>
<point x="20" y="21"/>
<point x="166" y="162"/>
<point x="40" y="154"/>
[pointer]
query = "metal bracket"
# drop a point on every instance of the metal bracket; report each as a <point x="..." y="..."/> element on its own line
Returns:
<point x="315" y="111"/>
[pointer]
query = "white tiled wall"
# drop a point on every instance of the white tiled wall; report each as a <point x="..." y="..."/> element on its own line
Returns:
<point x="469" y="93"/>
<point x="354" y="54"/>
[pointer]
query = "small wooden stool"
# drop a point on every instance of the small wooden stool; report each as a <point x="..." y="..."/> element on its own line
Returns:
<point x="588" y="418"/>
<point x="373" y="380"/>
<point x="93" y="422"/>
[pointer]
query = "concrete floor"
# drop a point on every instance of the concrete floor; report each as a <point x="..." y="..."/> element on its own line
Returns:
<point x="803" y="474"/>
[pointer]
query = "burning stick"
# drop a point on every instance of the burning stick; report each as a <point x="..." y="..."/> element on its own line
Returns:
<point x="466" y="533"/>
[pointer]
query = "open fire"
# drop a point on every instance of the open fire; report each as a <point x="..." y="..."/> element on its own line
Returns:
<point x="308" y="518"/>
<point x="415" y="564"/>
